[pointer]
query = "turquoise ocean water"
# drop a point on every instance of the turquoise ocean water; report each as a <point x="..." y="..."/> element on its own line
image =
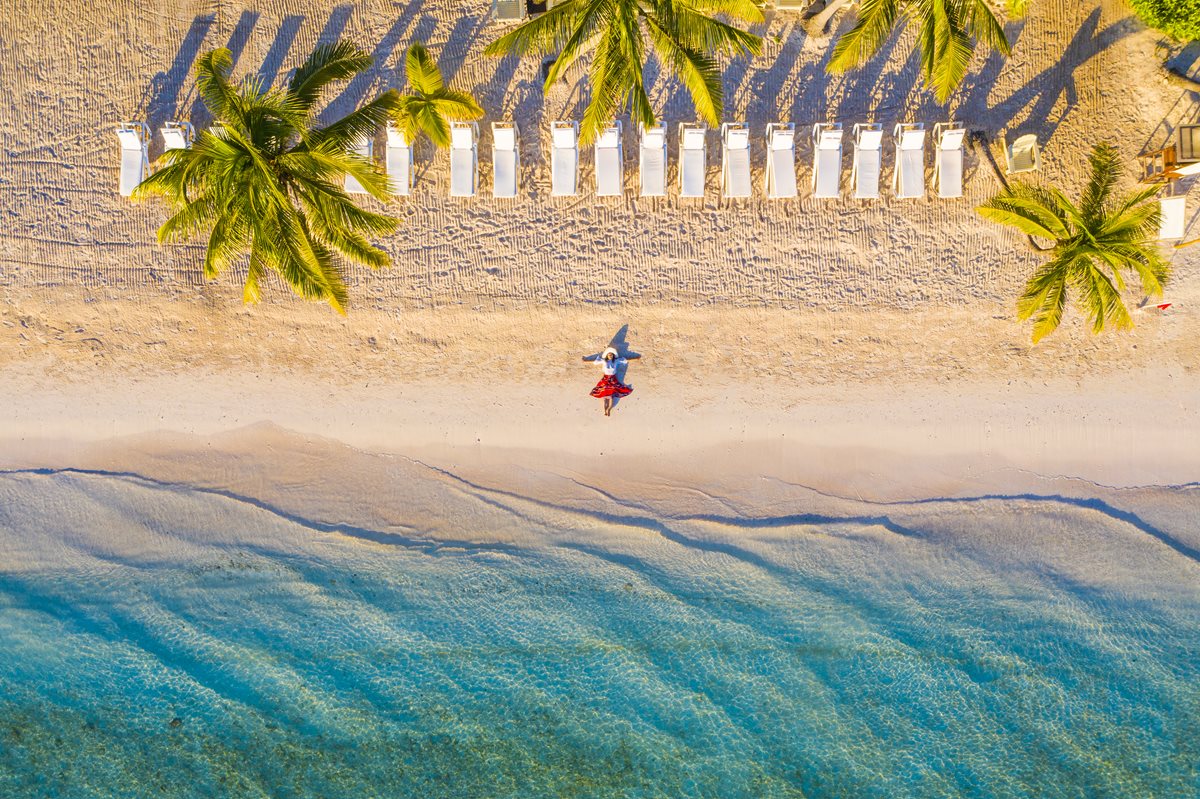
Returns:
<point x="228" y="651"/>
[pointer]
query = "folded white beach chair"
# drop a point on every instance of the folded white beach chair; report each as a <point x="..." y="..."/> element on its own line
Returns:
<point x="399" y="161"/>
<point x="609" y="162"/>
<point x="506" y="160"/>
<point x="908" y="179"/>
<point x="134" y="160"/>
<point x="948" y="158"/>
<point x="868" y="157"/>
<point x="827" y="159"/>
<point x="564" y="159"/>
<point x="692" y="159"/>
<point x="735" y="160"/>
<point x="464" y="158"/>
<point x="779" y="179"/>
<point x="1173" y="213"/>
<point x="1022" y="155"/>
<point x="652" y="162"/>
<point x="177" y="135"/>
<point x="365" y="147"/>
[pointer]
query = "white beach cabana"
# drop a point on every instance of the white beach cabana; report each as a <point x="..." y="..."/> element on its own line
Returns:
<point x="735" y="160"/>
<point x="948" y="140"/>
<point x="365" y="147"/>
<point x="399" y="161"/>
<point x="1173" y="217"/>
<point x="827" y="160"/>
<point x="506" y="160"/>
<point x="779" y="180"/>
<point x="908" y="178"/>
<point x="177" y="135"/>
<point x="564" y="159"/>
<point x="1022" y="155"/>
<point x="610" y="161"/>
<point x="652" y="162"/>
<point x="135" y="162"/>
<point x="464" y="158"/>
<point x="693" y="140"/>
<point x="868" y="160"/>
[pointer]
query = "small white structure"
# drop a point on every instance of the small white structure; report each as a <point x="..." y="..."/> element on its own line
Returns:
<point x="564" y="159"/>
<point x="908" y="178"/>
<point x="948" y="158"/>
<point x="364" y="147"/>
<point x="1022" y="155"/>
<point x="399" y="161"/>
<point x="506" y="160"/>
<point x="652" y="162"/>
<point x="779" y="180"/>
<point x="827" y="160"/>
<point x="177" y="135"/>
<point x="735" y="160"/>
<point x="868" y="160"/>
<point x="1173" y="217"/>
<point x="610" y="161"/>
<point x="135" y="162"/>
<point x="464" y="158"/>
<point x="693" y="163"/>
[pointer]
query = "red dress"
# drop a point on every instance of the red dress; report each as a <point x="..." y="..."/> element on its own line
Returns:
<point x="609" y="385"/>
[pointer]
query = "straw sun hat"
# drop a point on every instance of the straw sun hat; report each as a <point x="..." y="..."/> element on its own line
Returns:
<point x="608" y="351"/>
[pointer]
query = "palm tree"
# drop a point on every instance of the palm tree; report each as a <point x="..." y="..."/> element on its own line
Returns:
<point x="947" y="31"/>
<point x="432" y="106"/>
<point x="266" y="181"/>
<point x="1095" y="243"/>
<point x="683" y="33"/>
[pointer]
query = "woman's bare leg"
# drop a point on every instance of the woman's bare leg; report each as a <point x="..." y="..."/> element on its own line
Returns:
<point x="607" y="405"/>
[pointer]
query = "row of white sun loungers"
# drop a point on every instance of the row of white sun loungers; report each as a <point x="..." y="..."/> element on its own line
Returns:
<point x="908" y="176"/>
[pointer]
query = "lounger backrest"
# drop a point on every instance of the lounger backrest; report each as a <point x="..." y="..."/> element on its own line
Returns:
<point x="462" y="137"/>
<point x="828" y="138"/>
<point x="1173" y="212"/>
<point x="952" y="139"/>
<point x="694" y="138"/>
<point x="870" y="139"/>
<point x="175" y="137"/>
<point x="564" y="137"/>
<point x="504" y="137"/>
<point x="782" y="139"/>
<point x="130" y="140"/>
<point x="912" y="139"/>
<point x="1023" y="155"/>
<point x="737" y="138"/>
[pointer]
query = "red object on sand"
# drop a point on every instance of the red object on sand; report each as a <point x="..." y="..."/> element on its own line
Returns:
<point x="610" y="386"/>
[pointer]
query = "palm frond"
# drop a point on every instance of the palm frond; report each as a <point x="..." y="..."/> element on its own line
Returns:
<point x="743" y="10"/>
<point x="876" y="19"/>
<point x="982" y="23"/>
<point x="1045" y="298"/>
<point x="546" y="33"/>
<point x="699" y="74"/>
<point x="339" y="60"/>
<point x="422" y="71"/>
<point x="1106" y="171"/>
<point x="212" y="82"/>
<point x="362" y="122"/>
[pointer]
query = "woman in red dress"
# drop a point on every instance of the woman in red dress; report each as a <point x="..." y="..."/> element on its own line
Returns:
<point x="610" y="386"/>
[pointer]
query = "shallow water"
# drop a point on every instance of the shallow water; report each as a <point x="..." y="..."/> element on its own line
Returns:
<point x="169" y="642"/>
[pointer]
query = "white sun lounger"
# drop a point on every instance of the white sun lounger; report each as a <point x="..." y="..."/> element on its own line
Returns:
<point x="1022" y="155"/>
<point x="1173" y="213"/>
<point x="399" y="161"/>
<point x="464" y="158"/>
<point x="692" y="159"/>
<point x="948" y="158"/>
<point x="365" y="146"/>
<point x="652" y="162"/>
<point x="908" y="178"/>
<point x="610" y="172"/>
<point x="827" y="159"/>
<point x="868" y="156"/>
<point x="779" y="179"/>
<point x="564" y="159"/>
<point x="506" y="160"/>
<point x="735" y="160"/>
<point x="134" y="160"/>
<point x="177" y="135"/>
